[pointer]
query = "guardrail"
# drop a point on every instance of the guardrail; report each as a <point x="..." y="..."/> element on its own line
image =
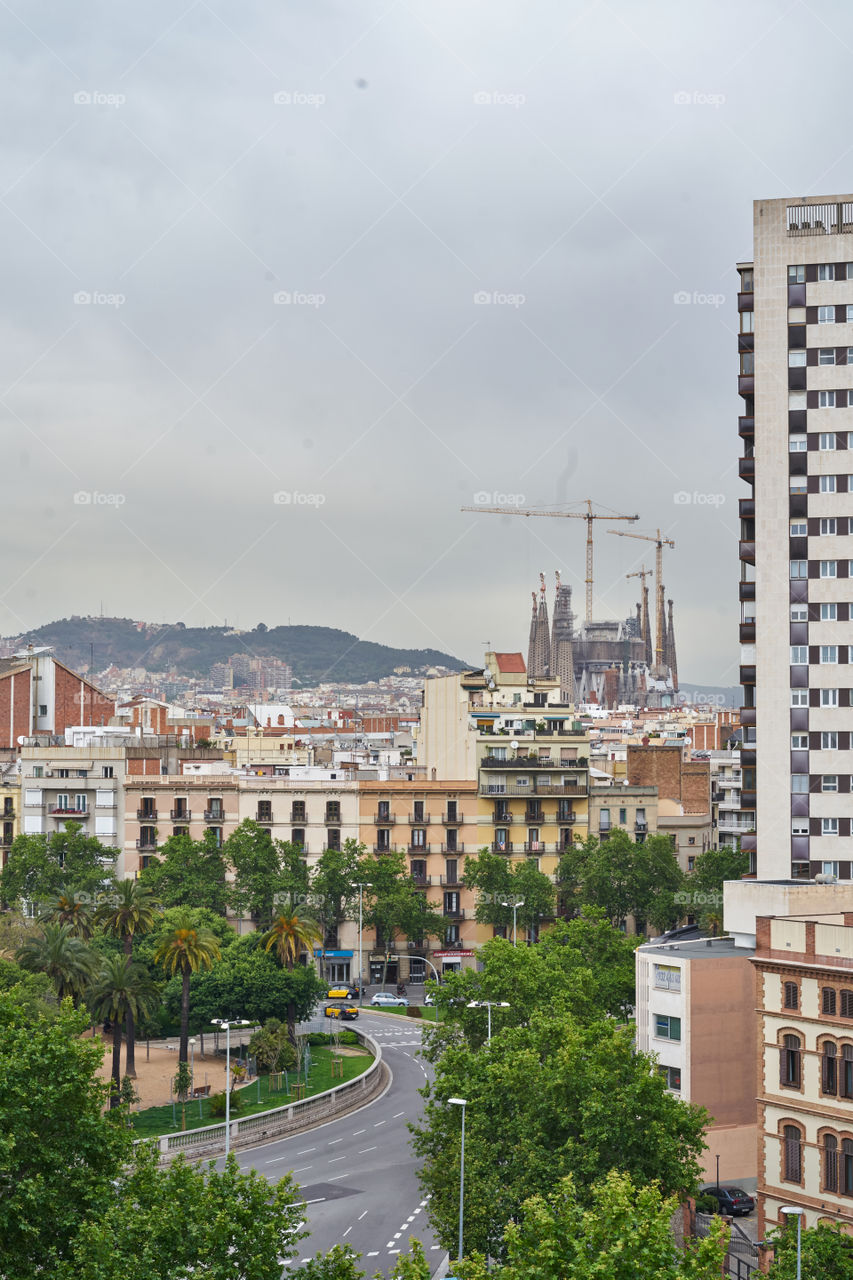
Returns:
<point x="280" y="1121"/>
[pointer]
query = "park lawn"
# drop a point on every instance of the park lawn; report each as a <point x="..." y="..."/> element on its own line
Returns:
<point x="428" y="1013"/>
<point x="155" y="1121"/>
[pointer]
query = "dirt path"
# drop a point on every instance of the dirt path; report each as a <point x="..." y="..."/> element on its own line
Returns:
<point x="155" y="1069"/>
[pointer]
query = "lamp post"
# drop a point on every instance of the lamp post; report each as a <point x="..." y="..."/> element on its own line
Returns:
<point x="488" y="1004"/>
<point x="798" y="1213"/>
<point x="461" y="1102"/>
<point x="515" y="904"/>
<point x="718" y="1173"/>
<point x="226" y="1026"/>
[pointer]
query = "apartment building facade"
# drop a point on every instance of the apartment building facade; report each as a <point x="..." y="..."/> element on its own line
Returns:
<point x="40" y="695"/>
<point x="795" y="346"/>
<point x="619" y="807"/>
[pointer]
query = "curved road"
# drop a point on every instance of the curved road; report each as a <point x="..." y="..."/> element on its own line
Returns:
<point x="358" y="1173"/>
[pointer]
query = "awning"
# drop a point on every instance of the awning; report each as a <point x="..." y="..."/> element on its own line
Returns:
<point x="336" y="955"/>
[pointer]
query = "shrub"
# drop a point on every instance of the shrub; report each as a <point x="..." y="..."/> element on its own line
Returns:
<point x="217" y="1103"/>
<point x="318" y="1037"/>
<point x="349" y="1037"/>
<point x="706" y="1204"/>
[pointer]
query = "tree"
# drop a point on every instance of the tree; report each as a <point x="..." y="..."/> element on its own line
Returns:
<point x="826" y="1251"/>
<point x="267" y="873"/>
<point x="624" y="879"/>
<point x="40" y="867"/>
<point x="121" y="988"/>
<point x="188" y="1220"/>
<point x="334" y="889"/>
<point x="271" y="1047"/>
<point x="188" y="873"/>
<point x="71" y="907"/>
<point x="58" y="1153"/>
<point x="186" y="950"/>
<point x="393" y="903"/>
<point x="622" y="1231"/>
<point x="66" y="960"/>
<point x="130" y="912"/>
<point x="703" y="887"/>
<point x="290" y="934"/>
<point x="553" y="1098"/>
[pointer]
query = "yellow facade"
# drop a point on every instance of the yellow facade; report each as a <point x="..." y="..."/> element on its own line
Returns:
<point x="10" y="807"/>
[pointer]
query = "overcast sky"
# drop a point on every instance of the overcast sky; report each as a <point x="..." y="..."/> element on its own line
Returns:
<point x="285" y="218"/>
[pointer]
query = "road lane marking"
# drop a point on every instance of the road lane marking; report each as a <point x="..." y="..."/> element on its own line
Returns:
<point x="363" y="1215"/>
<point x="358" y="1131"/>
<point x="335" y="1159"/>
<point x="346" y="1233"/>
<point x="378" y="1123"/>
<point x="332" y="1141"/>
<point x="307" y="1151"/>
<point x="364" y="1150"/>
<point x="303" y="1169"/>
<point x="338" y="1177"/>
<point x="374" y="1253"/>
<point x="397" y="1116"/>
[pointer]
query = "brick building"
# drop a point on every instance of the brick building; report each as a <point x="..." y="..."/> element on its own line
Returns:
<point x="684" y="796"/>
<point x="38" y="694"/>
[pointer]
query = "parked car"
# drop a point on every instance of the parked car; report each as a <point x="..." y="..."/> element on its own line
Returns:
<point x="343" y="993"/>
<point x="429" y="998"/>
<point x="385" y="999"/>
<point x="730" y="1200"/>
<point x="346" y="1012"/>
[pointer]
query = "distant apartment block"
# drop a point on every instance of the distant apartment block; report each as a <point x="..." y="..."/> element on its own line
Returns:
<point x="39" y="694"/>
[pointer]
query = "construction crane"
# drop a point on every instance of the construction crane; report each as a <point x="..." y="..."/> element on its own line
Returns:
<point x="589" y="515"/>
<point x="645" y="623"/>
<point x="660" y="542"/>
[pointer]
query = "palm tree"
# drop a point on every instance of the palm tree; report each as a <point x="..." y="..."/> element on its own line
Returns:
<point x="130" y="912"/>
<point x="289" y="935"/>
<point x="120" y="988"/>
<point x="186" y="950"/>
<point x="66" y="960"/>
<point x="70" y="907"/>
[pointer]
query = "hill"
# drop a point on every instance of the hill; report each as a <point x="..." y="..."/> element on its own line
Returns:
<point x="316" y="654"/>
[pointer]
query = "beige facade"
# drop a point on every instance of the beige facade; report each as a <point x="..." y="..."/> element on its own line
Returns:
<point x="623" y="808"/>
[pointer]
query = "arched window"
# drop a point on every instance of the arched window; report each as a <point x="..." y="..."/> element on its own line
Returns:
<point x="829" y="1001"/>
<point x="830" y="1163"/>
<point x="790" y="1062"/>
<point x="847" y="1071"/>
<point x="792" y="995"/>
<point x="829" y="1069"/>
<point x="847" y="1167"/>
<point x="792" y="1142"/>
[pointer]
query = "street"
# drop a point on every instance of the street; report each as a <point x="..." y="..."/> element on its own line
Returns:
<point x="358" y="1173"/>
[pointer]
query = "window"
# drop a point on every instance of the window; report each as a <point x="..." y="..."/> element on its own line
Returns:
<point x="829" y="741"/>
<point x="827" y="1002"/>
<point x="829" y="826"/>
<point x="829" y="697"/>
<point x="667" y="1028"/>
<point x="799" y="826"/>
<point x="797" y="444"/>
<point x="746" y="278"/>
<point x="623" y="816"/>
<point x="798" y="529"/>
<point x="829" y="782"/>
<point x="830" y="869"/>
<point x="826" y="315"/>
<point x="846" y="1081"/>
<point x="747" y="363"/>
<point x="826" y="399"/>
<point x="792" y="1156"/>
<point x="42" y="708"/>
<point x="672" y="1076"/>
<point x="826" y="440"/>
<point x="419" y="837"/>
<point x="830" y="1163"/>
<point x="798" y="484"/>
<point x="38" y="771"/>
<point x="827" y="484"/>
<point x="829" y="568"/>
<point x="829" y="1069"/>
<point x="826" y="271"/>
<point x="846" y="1004"/>
<point x="799" y="569"/>
<point x="799" y="654"/>
<point x="826" y="355"/>
<point x="747" y="321"/>
<point x="847" y="1167"/>
<point x="796" y="275"/>
<point x="799" y="783"/>
<point x="799" y="742"/>
<point x="667" y="977"/>
<point x="799" y="697"/>
<point x="791" y="994"/>
<point x="790" y="1062"/>
<point x="107" y="771"/>
<point x="796" y="359"/>
<point x="333" y="811"/>
<point x="828" y="654"/>
<point x="848" y="315"/>
<point x="297" y="836"/>
<point x="829" y="612"/>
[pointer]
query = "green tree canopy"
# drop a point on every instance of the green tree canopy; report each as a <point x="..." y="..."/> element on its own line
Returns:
<point x="621" y="1231"/>
<point x="827" y="1251"/>
<point x="188" y="873"/>
<point x="55" y="951"/>
<point x="703" y="887"/>
<point x="247" y="982"/>
<point x="266" y="872"/>
<point x="41" y="867"/>
<point x="393" y="904"/>
<point x="553" y="1098"/>
<point x="624" y="879"/>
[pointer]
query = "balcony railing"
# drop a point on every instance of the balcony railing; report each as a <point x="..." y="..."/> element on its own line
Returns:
<point x="455" y="848"/>
<point x="333" y="817"/>
<point x="67" y="811"/>
<point x="6" y="841"/>
<point x="454" y="913"/>
<point x="146" y="845"/>
<point x="450" y="881"/>
<point x="455" y="820"/>
<point x="297" y="816"/>
<point x="505" y="847"/>
<point x="180" y="815"/>
<point x="541" y="789"/>
<point x="419" y="848"/>
<point x="146" y="815"/>
<point x="264" y="819"/>
<point x="532" y="762"/>
<point x="423" y="882"/>
<point x="384" y="819"/>
<point x="419" y="821"/>
<point x="214" y="815"/>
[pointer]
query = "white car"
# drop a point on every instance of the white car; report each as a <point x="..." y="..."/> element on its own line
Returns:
<point x="384" y="998"/>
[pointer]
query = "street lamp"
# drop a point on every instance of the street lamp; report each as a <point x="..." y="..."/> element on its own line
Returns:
<point x="362" y="884"/>
<point x="488" y="1004"/>
<point x="515" y="904"/>
<point x="461" y="1102"/>
<point x="226" y="1027"/>
<point x="798" y="1213"/>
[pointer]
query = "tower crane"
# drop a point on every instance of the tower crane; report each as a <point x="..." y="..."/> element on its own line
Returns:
<point x="660" y="542"/>
<point x="645" y="623"/>
<point x="589" y="515"/>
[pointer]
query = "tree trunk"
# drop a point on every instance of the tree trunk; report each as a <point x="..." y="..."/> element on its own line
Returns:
<point x="184" y="1045"/>
<point x="115" y="1092"/>
<point x="130" y="1051"/>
